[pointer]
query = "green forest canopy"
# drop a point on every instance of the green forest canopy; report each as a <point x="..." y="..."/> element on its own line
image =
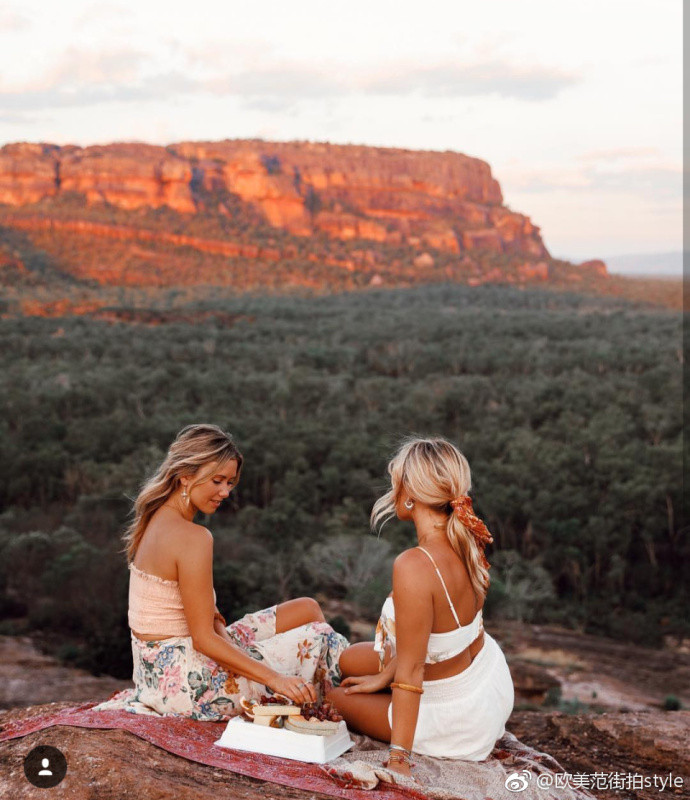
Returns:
<point x="568" y="409"/>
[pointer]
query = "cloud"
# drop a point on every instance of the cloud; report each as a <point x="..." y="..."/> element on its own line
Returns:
<point x="153" y="88"/>
<point x="284" y="83"/>
<point x="252" y="73"/>
<point x="533" y="83"/>
<point x="618" y="153"/>
<point x="278" y="88"/>
<point x="103" y="13"/>
<point x="83" y="78"/>
<point x="17" y="119"/>
<point x="79" y="67"/>
<point x="219" y="56"/>
<point x="654" y="182"/>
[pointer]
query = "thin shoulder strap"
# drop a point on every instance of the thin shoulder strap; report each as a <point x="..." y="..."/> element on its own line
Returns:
<point x="443" y="583"/>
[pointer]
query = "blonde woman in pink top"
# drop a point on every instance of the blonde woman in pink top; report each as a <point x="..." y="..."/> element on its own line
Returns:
<point x="187" y="660"/>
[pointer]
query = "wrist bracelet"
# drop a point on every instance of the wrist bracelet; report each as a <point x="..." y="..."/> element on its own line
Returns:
<point x="407" y="687"/>
<point x="395" y="757"/>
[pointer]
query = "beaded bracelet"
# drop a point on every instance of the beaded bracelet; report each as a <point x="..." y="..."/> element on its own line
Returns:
<point x="407" y="687"/>
<point x="395" y="757"/>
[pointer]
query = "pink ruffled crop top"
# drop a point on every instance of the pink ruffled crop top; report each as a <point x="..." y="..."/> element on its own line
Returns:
<point x="155" y="605"/>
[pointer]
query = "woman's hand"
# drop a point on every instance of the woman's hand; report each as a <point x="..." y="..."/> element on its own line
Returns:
<point x="293" y="687"/>
<point x="365" y="683"/>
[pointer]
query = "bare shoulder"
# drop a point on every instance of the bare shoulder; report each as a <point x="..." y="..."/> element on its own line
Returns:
<point x="412" y="590"/>
<point x="175" y="525"/>
<point x="409" y="558"/>
<point x="408" y="566"/>
<point x="186" y="537"/>
<point x="194" y="553"/>
<point x="189" y="533"/>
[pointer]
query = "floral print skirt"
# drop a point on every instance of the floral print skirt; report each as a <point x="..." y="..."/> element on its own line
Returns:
<point x="171" y="678"/>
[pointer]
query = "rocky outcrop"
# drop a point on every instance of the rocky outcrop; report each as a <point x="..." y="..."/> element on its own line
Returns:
<point x="447" y="201"/>
<point x="641" y="746"/>
<point x="115" y="764"/>
<point x="125" y="175"/>
<point x="128" y="176"/>
<point x="126" y="233"/>
<point x="532" y="682"/>
<point x="32" y="677"/>
<point x="28" y="173"/>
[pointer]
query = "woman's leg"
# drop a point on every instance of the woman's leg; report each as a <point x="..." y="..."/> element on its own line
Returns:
<point x="364" y="713"/>
<point x="303" y="644"/>
<point x="359" y="659"/>
<point x="296" y="613"/>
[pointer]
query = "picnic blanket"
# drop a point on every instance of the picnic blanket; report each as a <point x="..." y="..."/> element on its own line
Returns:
<point x="353" y="775"/>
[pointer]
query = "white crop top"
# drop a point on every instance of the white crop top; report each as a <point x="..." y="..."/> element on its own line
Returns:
<point x="442" y="646"/>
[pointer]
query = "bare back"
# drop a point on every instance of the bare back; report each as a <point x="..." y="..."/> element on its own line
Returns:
<point x="459" y="587"/>
<point x="160" y="548"/>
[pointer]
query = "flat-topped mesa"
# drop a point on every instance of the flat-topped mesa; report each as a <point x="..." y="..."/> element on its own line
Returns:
<point x="448" y="201"/>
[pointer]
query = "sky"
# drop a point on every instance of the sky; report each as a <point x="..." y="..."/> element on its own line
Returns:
<point x="577" y="107"/>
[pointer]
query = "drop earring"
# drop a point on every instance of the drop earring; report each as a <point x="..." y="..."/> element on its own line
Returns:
<point x="409" y="504"/>
<point x="185" y="496"/>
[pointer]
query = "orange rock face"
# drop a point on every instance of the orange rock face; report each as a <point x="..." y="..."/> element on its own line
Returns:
<point x="128" y="176"/>
<point x="594" y="267"/>
<point x="28" y="173"/>
<point x="447" y="201"/>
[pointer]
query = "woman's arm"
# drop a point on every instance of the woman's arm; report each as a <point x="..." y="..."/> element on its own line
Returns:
<point x="361" y="684"/>
<point x="414" y="616"/>
<point x="195" y="576"/>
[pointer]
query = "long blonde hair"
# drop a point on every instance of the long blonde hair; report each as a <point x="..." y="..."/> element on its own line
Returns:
<point x="195" y="447"/>
<point x="434" y="472"/>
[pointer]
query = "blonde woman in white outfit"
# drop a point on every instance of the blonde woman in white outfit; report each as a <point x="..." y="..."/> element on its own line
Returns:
<point x="433" y="682"/>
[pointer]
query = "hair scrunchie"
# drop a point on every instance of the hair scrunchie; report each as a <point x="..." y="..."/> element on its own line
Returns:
<point x="462" y="506"/>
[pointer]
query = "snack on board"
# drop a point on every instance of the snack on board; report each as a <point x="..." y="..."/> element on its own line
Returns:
<point x="321" y="711"/>
<point x="320" y="719"/>
<point x="269" y="722"/>
<point x="313" y="726"/>
<point x="271" y="710"/>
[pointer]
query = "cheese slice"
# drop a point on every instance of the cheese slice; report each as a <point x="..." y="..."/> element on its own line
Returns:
<point x="271" y="710"/>
<point x="264" y="720"/>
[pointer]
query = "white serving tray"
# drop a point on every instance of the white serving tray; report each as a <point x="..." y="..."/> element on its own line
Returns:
<point x="240" y="734"/>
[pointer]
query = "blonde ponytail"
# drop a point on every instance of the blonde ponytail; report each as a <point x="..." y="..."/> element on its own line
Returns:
<point x="436" y="473"/>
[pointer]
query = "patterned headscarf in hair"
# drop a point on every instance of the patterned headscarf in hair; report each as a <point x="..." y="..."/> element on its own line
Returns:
<point x="462" y="506"/>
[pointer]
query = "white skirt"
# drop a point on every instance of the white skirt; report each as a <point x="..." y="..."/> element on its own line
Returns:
<point x="463" y="716"/>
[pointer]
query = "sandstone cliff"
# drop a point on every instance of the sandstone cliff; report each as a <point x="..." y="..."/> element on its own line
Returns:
<point x="249" y="214"/>
<point x="446" y="201"/>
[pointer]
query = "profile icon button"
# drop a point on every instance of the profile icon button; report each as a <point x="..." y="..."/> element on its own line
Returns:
<point x="45" y="766"/>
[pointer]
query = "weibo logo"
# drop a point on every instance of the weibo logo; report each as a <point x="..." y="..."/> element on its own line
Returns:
<point x="518" y="781"/>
